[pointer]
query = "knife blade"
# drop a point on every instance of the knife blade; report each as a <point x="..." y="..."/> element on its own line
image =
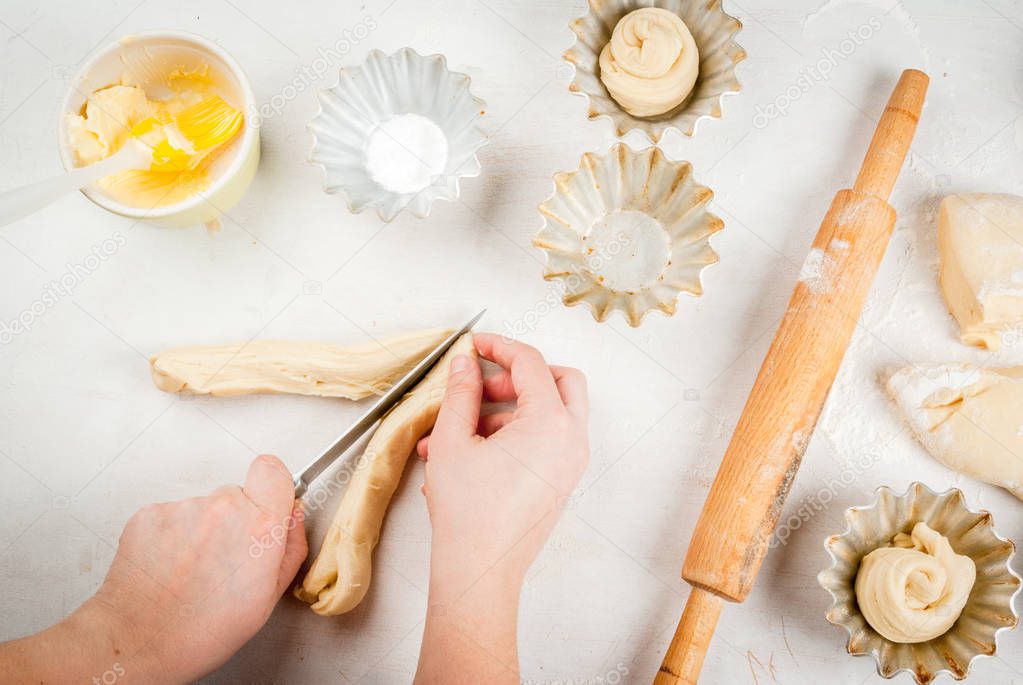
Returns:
<point x="306" y="476"/>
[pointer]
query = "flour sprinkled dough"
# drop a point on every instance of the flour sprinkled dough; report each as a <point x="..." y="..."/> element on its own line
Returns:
<point x="914" y="590"/>
<point x="980" y="238"/>
<point x="969" y="419"/>
<point x="651" y="62"/>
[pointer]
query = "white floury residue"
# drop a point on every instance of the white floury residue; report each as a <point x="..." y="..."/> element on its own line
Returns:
<point x="919" y="389"/>
<point x="405" y="153"/>
<point x="814" y="272"/>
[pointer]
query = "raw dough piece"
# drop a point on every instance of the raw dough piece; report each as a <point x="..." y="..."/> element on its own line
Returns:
<point x="980" y="238"/>
<point x="299" y="368"/>
<point x="339" y="577"/>
<point x="969" y="419"/>
<point x="914" y="590"/>
<point x="651" y="62"/>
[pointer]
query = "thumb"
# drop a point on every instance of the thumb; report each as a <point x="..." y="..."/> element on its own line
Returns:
<point x="270" y="487"/>
<point x="295" y="548"/>
<point x="460" y="410"/>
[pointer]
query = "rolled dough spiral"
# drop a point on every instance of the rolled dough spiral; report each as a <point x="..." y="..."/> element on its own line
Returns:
<point x="914" y="590"/>
<point x="650" y="64"/>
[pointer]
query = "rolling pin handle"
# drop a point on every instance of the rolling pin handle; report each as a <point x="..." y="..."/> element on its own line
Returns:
<point x="684" y="659"/>
<point x="893" y="135"/>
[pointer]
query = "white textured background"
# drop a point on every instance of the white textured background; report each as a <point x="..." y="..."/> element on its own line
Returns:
<point x="85" y="438"/>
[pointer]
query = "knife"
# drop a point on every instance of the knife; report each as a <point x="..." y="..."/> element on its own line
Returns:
<point x="303" y="478"/>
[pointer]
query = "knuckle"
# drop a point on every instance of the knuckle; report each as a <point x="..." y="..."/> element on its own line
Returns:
<point x="563" y="423"/>
<point x="261" y="525"/>
<point x="225" y="503"/>
<point x="574" y="374"/>
<point x="534" y="354"/>
<point x="457" y="392"/>
<point x="145" y="515"/>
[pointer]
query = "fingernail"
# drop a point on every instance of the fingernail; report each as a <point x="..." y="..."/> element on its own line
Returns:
<point x="459" y="364"/>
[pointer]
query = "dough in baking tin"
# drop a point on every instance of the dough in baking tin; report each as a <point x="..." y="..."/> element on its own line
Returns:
<point x="651" y="62"/>
<point x="914" y="590"/>
<point x="969" y="418"/>
<point x="340" y="575"/>
<point x="980" y="238"/>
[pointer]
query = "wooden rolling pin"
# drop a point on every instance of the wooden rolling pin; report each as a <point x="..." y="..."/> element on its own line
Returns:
<point x="743" y="506"/>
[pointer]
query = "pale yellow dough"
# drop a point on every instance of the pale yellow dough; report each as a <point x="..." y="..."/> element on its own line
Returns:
<point x="914" y="590"/>
<point x="980" y="238"/>
<point x="299" y="368"/>
<point x="970" y="419"/>
<point x="651" y="62"/>
<point x="340" y="575"/>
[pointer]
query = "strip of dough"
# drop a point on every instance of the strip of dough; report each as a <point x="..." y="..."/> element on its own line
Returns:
<point x="339" y="577"/>
<point x="969" y="418"/>
<point x="298" y="368"/>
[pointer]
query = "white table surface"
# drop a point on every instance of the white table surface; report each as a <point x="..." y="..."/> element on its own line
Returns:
<point x="85" y="438"/>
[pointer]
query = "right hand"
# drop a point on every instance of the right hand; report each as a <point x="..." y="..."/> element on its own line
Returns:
<point x="193" y="580"/>
<point x="496" y="484"/>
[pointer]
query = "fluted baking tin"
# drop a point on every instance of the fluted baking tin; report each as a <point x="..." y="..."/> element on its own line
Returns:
<point x="989" y="610"/>
<point x="628" y="231"/>
<point x="384" y="87"/>
<point x="714" y="33"/>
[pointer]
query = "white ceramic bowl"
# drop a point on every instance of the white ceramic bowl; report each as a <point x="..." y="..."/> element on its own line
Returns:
<point x="233" y="170"/>
<point x="714" y="33"/>
<point x="989" y="610"/>
<point x="376" y="92"/>
<point x="629" y="231"/>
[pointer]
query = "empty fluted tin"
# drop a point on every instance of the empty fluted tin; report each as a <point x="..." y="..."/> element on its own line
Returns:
<point x="628" y="231"/>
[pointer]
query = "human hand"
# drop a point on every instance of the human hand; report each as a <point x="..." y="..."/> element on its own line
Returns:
<point x="192" y="581"/>
<point x="494" y="487"/>
<point x="495" y="484"/>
